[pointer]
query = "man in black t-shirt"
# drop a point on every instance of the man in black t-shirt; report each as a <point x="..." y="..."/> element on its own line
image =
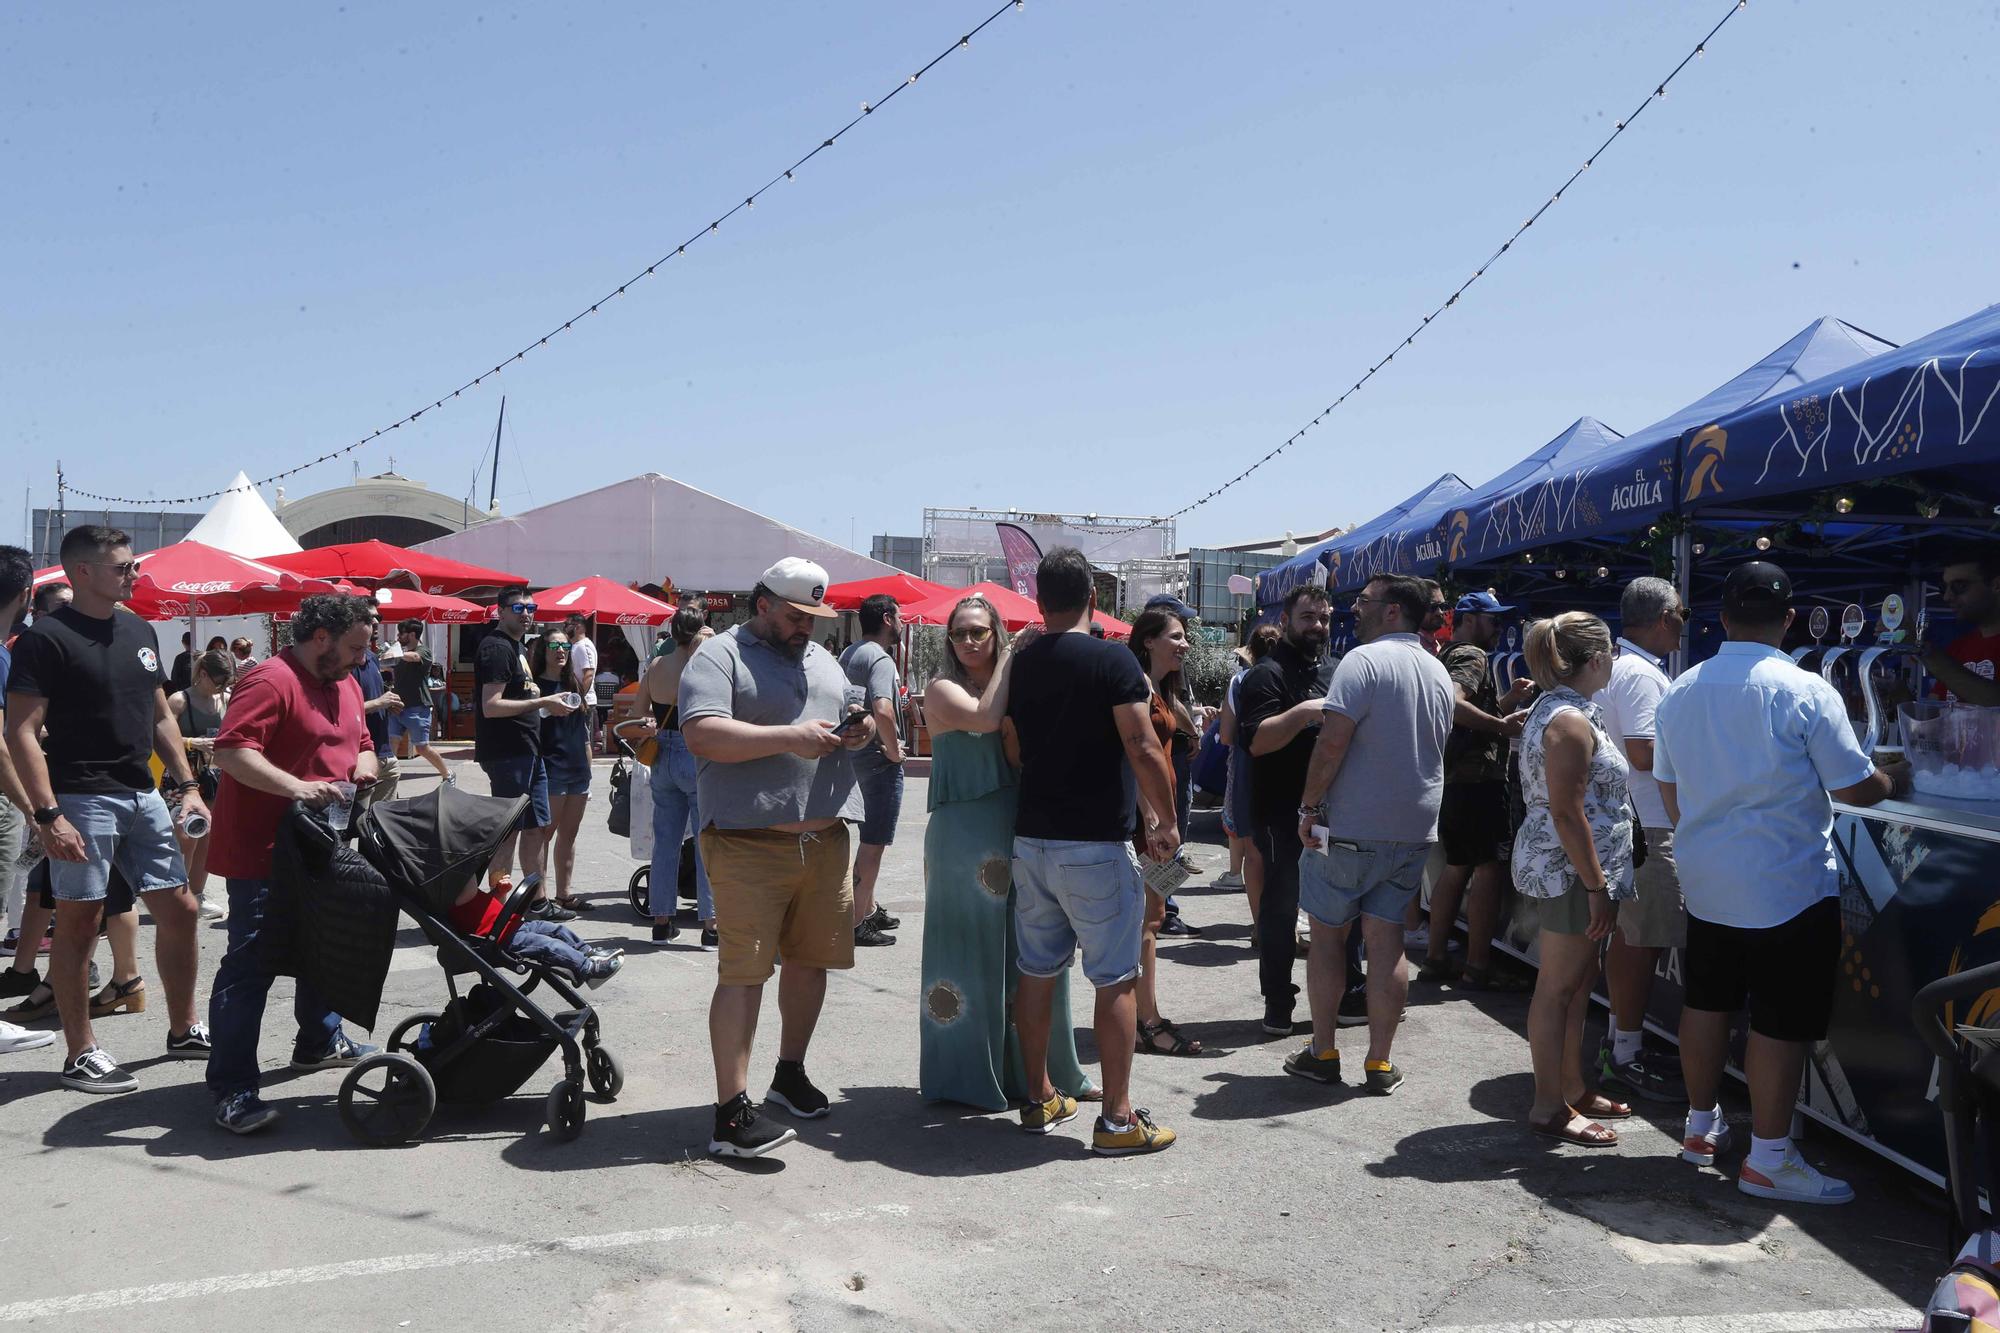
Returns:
<point x="1077" y="711"/>
<point x="1277" y="721"/>
<point x="410" y="666"/>
<point x="506" y="743"/>
<point x="91" y="673"/>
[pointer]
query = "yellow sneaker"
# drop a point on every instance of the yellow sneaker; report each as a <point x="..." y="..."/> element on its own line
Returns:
<point x="1141" y="1136"/>
<point x="1041" y="1117"/>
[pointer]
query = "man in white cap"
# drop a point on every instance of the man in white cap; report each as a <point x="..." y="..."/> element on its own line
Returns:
<point x="760" y="708"/>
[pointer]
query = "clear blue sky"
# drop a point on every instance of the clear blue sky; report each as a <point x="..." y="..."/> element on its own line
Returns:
<point x="1095" y="262"/>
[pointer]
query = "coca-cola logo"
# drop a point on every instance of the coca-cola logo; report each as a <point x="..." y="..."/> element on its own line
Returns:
<point x="196" y="589"/>
<point x="633" y="619"/>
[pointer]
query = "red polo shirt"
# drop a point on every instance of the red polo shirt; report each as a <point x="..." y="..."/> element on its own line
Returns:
<point x="301" y="724"/>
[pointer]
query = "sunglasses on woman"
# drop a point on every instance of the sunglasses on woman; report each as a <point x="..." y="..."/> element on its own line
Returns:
<point x="972" y="634"/>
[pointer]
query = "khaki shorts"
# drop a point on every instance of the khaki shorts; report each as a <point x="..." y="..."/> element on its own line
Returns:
<point x="779" y="895"/>
<point x="1657" y="918"/>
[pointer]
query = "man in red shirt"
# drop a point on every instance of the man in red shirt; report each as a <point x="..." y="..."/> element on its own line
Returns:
<point x="1965" y="668"/>
<point x="294" y="728"/>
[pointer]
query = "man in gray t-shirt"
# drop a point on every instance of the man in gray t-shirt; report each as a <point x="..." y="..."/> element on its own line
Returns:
<point x="758" y="709"/>
<point x="878" y="770"/>
<point x="1368" y="817"/>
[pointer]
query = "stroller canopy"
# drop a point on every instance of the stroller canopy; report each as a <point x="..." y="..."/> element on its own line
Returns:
<point x="429" y="846"/>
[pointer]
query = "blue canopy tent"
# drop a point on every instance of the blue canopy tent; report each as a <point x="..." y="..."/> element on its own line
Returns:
<point x="1340" y="556"/>
<point x="1590" y="483"/>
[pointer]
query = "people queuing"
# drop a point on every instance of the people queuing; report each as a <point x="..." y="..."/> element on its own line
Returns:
<point x="565" y="749"/>
<point x="673" y="782"/>
<point x="870" y="665"/>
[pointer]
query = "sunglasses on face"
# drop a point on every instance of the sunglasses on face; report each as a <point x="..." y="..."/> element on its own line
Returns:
<point x="522" y="608"/>
<point x="972" y="634"/>
<point x="126" y="570"/>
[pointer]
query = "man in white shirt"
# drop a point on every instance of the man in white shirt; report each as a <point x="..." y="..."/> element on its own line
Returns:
<point x="1652" y="617"/>
<point x="1747" y="751"/>
<point x="583" y="664"/>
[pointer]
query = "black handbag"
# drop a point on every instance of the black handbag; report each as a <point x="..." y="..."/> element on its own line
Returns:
<point x="620" y="819"/>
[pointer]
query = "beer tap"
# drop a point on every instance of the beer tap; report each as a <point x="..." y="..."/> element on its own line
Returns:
<point x="1818" y="624"/>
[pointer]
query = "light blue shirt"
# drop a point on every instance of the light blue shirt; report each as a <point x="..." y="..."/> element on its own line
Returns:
<point x="1753" y="745"/>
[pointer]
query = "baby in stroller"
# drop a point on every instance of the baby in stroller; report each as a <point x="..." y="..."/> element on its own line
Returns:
<point x="475" y="911"/>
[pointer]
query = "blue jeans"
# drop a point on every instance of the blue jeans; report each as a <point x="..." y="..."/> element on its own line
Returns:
<point x="549" y="944"/>
<point x="236" y="1004"/>
<point x="1077" y="894"/>
<point x="675" y="816"/>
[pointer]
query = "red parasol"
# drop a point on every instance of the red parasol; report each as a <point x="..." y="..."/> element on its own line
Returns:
<point x="193" y="579"/>
<point x="431" y="608"/>
<point x="1016" y="611"/>
<point x="379" y="562"/>
<point x="605" y="601"/>
<point x="906" y="589"/>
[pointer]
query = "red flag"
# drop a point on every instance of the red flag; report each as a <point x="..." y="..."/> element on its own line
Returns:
<point x="1023" y="557"/>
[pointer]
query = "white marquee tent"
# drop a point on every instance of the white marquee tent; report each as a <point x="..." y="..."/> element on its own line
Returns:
<point x="642" y="531"/>
<point x="242" y="524"/>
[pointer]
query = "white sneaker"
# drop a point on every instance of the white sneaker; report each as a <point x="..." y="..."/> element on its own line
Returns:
<point x="1703" y="1149"/>
<point x="13" y="1038"/>
<point x="1229" y="879"/>
<point x="1795" y="1181"/>
<point x="213" y="909"/>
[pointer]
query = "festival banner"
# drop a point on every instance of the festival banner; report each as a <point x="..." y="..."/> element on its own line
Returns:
<point x="1024" y="556"/>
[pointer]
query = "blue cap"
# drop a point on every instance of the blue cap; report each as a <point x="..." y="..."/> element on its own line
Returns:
<point x="1166" y="601"/>
<point x="1482" y="603"/>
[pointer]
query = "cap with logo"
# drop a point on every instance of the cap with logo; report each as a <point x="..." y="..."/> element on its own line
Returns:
<point x="1481" y="603"/>
<point x="801" y="583"/>
<point x="1758" y="592"/>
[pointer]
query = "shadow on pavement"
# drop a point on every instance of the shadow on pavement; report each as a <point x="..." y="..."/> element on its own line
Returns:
<point x="1266" y="1096"/>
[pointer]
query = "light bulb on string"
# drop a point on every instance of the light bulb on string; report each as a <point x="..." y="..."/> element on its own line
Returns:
<point x="1700" y="549"/>
<point x="1763" y="543"/>
<point x="1844" y="505"/>
<point x="1603" y="573"/>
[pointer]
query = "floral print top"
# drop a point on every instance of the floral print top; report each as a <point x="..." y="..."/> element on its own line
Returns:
<point x="1541" y="867"/>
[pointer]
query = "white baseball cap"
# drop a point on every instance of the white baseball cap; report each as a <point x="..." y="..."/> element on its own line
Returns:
<point x="801" y="583"/>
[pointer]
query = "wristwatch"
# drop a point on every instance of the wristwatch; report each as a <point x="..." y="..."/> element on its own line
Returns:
<point x="46" y="815"/>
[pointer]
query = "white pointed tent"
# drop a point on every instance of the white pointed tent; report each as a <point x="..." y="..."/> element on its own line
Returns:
<point x="644" y="529"/>
<point x="242" y="524"/>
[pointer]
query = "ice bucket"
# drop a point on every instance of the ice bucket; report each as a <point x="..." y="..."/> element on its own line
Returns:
<point x="1953" y="749"/>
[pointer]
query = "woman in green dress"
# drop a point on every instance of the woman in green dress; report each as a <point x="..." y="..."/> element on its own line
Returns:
<point x="969" y="1052"/>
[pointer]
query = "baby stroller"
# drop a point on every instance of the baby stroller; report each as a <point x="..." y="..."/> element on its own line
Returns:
<point x="1955" y="1016"/>
<point x="491" y="1038"/>
<point x="628" y="776"/>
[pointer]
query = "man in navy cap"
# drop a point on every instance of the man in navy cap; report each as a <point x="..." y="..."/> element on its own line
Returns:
<point x="1750" y="753"/>
<point x="1472" y="821"/>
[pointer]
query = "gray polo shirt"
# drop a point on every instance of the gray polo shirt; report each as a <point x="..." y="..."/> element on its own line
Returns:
<point x="1390" y="783"/>
<point x="737" y="675"/>
<point x="869" y="665"/>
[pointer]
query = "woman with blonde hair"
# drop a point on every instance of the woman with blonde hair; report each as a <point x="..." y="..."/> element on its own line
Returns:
<point x="1573" y="855"/>
<point x="967" y="1049"/>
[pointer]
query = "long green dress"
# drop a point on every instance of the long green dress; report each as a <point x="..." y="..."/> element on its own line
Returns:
<point x="969" y="1051"/>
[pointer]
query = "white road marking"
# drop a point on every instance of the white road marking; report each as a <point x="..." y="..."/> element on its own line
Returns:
<point x="126" y="1297"/>
<point x="1780" y="1321"/>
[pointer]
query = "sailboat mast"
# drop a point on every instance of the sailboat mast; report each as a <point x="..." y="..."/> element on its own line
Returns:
<point x="493" y="487"/>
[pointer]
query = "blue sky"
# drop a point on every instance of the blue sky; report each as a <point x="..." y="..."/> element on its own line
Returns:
<point x="1096" y="262"/>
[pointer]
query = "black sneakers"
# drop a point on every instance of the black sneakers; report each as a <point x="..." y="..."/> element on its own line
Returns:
<point x="1278" y="1014"/>
<point x="1354" y="1008"/>
<point x="741" y="1132"/>
<point x="549" y="910"/>
<point x="190" y="1045"/>
<point x="711" y="940"/>
<point x="243" y="1113"/>
<point x="791" y="1089"/>
<point x="666" y="930"/>
<point x="95" y="1071"/>
<point x="15" y="982"/>
<point x="881" y="920"/>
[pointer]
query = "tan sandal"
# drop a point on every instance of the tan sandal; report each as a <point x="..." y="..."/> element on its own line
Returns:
<point x="119" y="997"/>
<point x="1597" y="1106"/>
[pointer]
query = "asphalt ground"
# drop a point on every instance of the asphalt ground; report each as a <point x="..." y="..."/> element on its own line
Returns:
<point x="1284" y="1205"/>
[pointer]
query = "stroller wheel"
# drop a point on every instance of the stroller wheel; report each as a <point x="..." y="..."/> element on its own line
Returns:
<point x="607" y="1076"/>
<point x="636" y="890"/>
<point x="386" y="1100"/>
<point x="404" y="1036"/>
<point x="565" y="1110"/>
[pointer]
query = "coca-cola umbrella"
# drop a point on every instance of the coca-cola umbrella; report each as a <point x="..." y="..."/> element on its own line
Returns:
<point x="378" y="563"/>
<point x="431" y="608"/>
<point x="907" y="589"/>
<point x="1016" y="611"/>
<point x="192" y="579"/>
<point x="604" y="601"/>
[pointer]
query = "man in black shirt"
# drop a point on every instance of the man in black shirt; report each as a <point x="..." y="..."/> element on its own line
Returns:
<point x="91" y="672"/>
<point x="410" y="664"/>
<point x="506" y="743"/>
<point x="1277" y="720"/>
<point x="1077" y="711"/>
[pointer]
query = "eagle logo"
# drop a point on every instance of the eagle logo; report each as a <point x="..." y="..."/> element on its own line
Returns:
<point x="1705" y="455"/>
<point x="1461" y="526"/>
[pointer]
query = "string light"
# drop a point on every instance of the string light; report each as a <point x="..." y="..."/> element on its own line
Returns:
<point x="749" y="202"/>
<point x="1659" y="92"/>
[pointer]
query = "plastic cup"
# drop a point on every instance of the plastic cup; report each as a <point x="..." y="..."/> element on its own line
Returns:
<point x="338" y="811"/>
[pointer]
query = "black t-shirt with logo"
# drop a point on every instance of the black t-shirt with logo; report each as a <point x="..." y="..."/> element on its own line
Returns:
<point x="102" y="681"/>
<point x="1076" y="785"/>
<point x="502" y="659"/>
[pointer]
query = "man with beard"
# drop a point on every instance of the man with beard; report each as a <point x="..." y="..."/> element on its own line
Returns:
<point x="759" y="708"/>
<point x="1472" y="822"/>
<point x="294" y="729"/>
<point x="1277" y="720"/>
<point x="1964" y="668"/>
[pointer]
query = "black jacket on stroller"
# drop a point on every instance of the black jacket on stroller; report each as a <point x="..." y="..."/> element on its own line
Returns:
<point x="330" y="919"/>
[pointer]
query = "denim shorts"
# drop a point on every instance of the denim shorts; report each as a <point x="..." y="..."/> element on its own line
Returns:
<point x="521" y="775"/>
<point x="567" y="778"/>
<point x="129" y="830"/>
<point x="1068" y="894"/>
<point x="881" y="784"/>
<point x="414" y="721"/>
<point x="1360" y="877"/>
